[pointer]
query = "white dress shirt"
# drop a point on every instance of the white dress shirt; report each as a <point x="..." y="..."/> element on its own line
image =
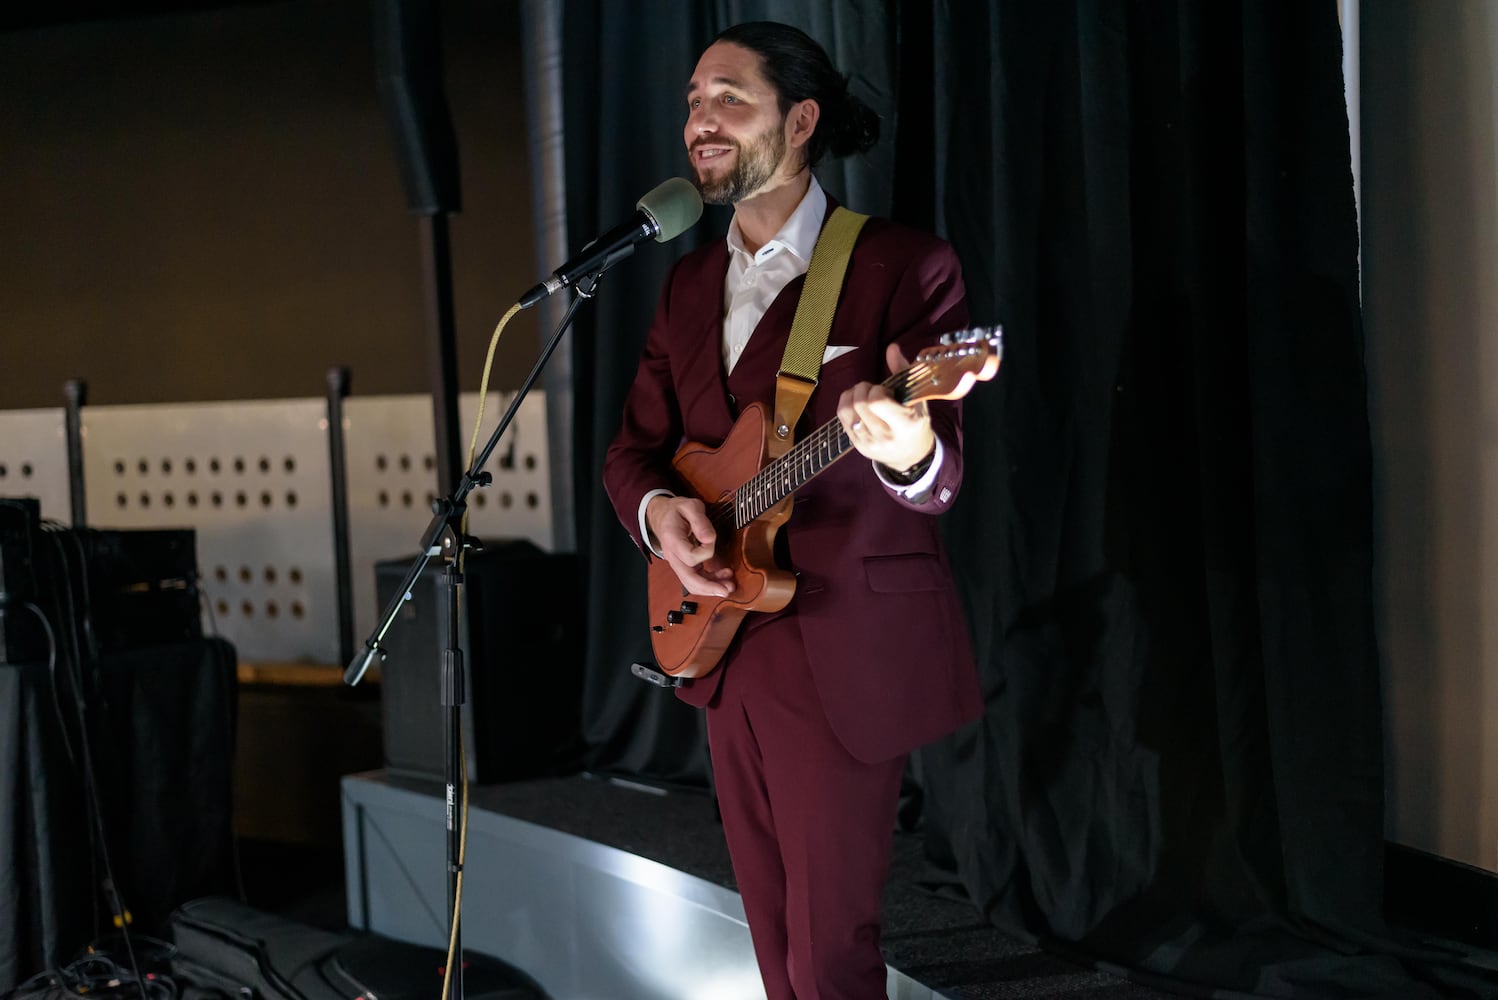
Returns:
<point x="752" y="283"/>
<point x="755" y="279"/>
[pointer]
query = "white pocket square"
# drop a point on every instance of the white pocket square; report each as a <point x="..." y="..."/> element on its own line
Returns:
<point x="837" y="352"/>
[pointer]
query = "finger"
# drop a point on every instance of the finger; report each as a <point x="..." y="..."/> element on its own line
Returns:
<point x="872" y="421"/>
<point x="848" y="405"/>
<point x="690" y="555"/>
<point x="699" y="525"/>
<point x="680" y="544"/>
<point x="892" y="411"/>
<point x="694" y="582"/>
<point x="895" y="358"/>
<point x="845" y="412"/>
<point x="718" y="583"/>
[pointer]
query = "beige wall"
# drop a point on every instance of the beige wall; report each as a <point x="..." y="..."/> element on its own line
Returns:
<point x="208" y="206"/>
<point x="1430" y="264"/>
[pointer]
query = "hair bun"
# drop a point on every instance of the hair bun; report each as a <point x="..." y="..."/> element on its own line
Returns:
<point x="859" y="129"/>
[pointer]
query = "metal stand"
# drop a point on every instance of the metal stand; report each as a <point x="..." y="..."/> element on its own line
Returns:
<point x="444" y="536"/>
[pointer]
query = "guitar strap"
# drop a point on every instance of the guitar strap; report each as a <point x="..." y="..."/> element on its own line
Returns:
<point x="802" y="362"/>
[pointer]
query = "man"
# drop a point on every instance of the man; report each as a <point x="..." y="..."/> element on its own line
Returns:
<point x="814" y="709"/>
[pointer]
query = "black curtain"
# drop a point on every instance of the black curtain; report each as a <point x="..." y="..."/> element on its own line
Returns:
<point x="623" y="89"/>
<point x="1164" y="539"/>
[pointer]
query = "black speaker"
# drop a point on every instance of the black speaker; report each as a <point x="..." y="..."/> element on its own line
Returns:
<point x="22" y="638"/>
<point x="143" y="586"/>
<point x="522" y="624"/>
<point x="408" y="60"/>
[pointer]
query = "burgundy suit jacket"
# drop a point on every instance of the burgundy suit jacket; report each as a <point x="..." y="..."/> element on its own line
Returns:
<point x="875" y="605"/>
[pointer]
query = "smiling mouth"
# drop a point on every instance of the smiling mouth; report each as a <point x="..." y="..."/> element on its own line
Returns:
<point x="710" y="154"/>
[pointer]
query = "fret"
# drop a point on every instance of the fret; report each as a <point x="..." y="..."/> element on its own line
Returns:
<point x="810" y="457"/>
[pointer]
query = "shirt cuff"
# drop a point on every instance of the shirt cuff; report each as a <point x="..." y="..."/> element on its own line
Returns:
<point x="650" y="540"/>
<point x="910" y="491"/>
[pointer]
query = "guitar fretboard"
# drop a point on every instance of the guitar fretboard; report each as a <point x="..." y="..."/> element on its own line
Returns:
<point x="934" y="375"/>
<point x="807" y="459"/>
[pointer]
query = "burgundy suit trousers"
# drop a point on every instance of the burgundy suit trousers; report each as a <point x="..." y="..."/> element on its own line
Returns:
<point x="809" y="827"/>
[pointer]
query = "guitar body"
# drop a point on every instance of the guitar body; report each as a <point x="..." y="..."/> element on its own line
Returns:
<point x="691" y="641"/>
<point x="690" y="632"/>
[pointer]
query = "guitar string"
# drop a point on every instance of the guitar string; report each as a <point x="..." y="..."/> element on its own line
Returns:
<point x="778" y="479"/>
<point x="764" y="485"/>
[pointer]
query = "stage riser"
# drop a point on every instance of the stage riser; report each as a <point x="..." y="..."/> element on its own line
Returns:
<point x="585" y="920"/>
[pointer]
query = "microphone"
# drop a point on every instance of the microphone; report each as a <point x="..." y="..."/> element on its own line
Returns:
<point x="664" y="213"/>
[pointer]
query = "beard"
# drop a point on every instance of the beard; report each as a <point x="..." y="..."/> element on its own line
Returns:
<point x="753" y="166"/>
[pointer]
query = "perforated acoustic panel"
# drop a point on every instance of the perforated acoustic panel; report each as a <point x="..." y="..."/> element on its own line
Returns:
<point x="393" y="481"/>
<point x="252" y="478"/>
<point x="34" y="460"/>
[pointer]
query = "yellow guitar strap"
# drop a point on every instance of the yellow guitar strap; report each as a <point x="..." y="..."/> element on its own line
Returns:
<point x="802" y="362"/>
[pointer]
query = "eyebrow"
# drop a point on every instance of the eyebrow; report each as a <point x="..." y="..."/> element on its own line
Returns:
<point x="727" y="81"/>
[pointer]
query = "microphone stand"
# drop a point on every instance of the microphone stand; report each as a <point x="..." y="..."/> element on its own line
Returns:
<point x="444" y="536"/>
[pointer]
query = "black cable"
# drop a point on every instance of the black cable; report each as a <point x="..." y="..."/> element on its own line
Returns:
<point x="95" y="974"/>
<point x="110" y="886"/>
<point x="67" y="645"/>
<point x="88" y="598"/>
<point x="62" y="725"/>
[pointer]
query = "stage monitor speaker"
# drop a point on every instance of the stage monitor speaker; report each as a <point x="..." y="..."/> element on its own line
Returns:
<point x="523" y="625"/>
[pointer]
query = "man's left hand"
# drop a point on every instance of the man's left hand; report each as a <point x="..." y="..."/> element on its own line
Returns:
<point x="884" y="430"/>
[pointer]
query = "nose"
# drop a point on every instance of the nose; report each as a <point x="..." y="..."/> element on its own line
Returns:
<point x="701" y="119"/>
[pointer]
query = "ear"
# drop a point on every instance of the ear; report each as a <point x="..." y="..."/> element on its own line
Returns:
<point x="801" y="121"/>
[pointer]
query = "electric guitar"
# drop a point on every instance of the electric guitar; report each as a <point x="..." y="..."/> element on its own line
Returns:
<point x="748" y="498"/>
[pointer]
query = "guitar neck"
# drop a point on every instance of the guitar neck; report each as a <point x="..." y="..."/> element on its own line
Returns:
<point x="806" y="460"/>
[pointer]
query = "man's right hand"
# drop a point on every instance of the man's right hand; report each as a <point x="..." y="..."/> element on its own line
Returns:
<point x="686" y="539"/>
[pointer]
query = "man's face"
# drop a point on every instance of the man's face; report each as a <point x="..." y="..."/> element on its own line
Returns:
<point x="735" y="133"/>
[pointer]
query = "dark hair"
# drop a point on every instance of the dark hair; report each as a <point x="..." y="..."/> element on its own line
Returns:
<point x="799" y="69"/>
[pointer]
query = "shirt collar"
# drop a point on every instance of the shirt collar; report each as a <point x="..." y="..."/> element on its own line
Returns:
<point x="798" y="235"/>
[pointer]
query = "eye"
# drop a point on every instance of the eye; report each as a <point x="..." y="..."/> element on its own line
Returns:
<point x="693" y="103"/>
<point x="730" y="99"/>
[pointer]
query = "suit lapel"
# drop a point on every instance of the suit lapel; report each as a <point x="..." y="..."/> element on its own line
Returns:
<point x="702" y="390"/>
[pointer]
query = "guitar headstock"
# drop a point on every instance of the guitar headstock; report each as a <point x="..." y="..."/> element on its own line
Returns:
<point x="951" y="368"/>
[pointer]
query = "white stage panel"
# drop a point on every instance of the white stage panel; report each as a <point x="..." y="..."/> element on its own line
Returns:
<point x="34" y="459"/>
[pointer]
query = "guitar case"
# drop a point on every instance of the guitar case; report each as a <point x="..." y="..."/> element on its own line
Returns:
<point x="225" y="948"/>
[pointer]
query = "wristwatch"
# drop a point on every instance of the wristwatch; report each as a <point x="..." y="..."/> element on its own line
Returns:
<point x="915" y="472"/>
